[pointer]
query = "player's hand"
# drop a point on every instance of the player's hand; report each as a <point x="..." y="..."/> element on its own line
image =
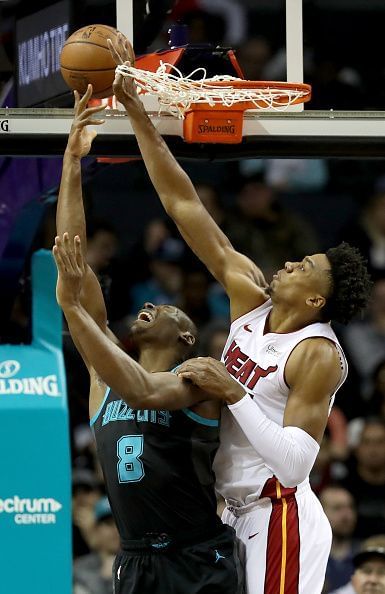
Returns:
<point x="71" y="268"/>
<point x="211" y="376"/>
<point x="80" y="138"/>
<point x="124" y="87"/>
<point x="121" y="50"/>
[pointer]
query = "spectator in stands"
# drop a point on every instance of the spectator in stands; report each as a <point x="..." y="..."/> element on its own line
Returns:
<point x="369" y="573"/>
<point x="369" y="235"/>
<point x="296" y="175"/>
<point x="338" y="505"/>
<point x="289" y="175"/>
<point x="138" y="262"/>
<point x="193" y="298"/>
<point x="364" y="340"/>
<point x="263" y="230"/>
<point x="205" y="18"/>
<point x="366" y="479"/>
<point x="322" y="472"/>
<point x="201" y="298"/>
<point x="213" y="339"/>
<point x="334" y="86"/>
<point x="253" y="57"/>
<point x="93" y="572"/>
<point x="85" y="493"/>
<point x="375" y="406"/>
<point x="209" y="196"/>
<point x="165" y="283"/>
<point x="102" y="246"/>
<point x="337" y="429"/>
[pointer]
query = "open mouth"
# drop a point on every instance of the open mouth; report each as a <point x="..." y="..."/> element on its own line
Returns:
<point x="146" y="316"/>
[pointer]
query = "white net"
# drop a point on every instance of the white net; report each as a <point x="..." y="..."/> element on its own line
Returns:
<point x="177" y="93"/>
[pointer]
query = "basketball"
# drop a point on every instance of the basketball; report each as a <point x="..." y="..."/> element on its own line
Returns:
<point x="85" y="59"/>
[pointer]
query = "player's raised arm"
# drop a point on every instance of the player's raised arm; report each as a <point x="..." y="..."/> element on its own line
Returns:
<point x="120" y="372"/>
<point x="70" y="216"/>
<point x="242" y="280"/>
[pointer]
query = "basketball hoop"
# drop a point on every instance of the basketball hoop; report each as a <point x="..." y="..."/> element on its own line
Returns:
<point x="213" y="108"/>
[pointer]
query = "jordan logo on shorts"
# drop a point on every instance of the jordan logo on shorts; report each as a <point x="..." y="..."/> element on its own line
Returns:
<point x="218" y="556"/>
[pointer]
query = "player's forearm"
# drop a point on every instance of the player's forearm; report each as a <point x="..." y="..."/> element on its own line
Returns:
<point x="289" y="452"/>
<point x="168" y="178"/>
<point x="119" y="371"/>
<point x="70" y="215"/>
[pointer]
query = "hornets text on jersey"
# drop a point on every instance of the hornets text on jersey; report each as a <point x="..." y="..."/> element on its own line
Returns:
<point x="157" y="466"/>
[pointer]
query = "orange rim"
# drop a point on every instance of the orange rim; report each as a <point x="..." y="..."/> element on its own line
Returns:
<point x="261" y="84"/>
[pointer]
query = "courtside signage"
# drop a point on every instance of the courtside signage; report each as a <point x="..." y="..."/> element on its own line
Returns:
<point x="29" y="511"/>
<point x="39" y="40"/>
<point x="35" y="465"/>
<point x="4" y="125"/>
<point x="38" y="385"/>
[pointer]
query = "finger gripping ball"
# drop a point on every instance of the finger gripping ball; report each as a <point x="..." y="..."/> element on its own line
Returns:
<point x="86" y="58"/>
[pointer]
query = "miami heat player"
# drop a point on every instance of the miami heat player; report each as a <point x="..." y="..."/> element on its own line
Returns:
<point x="285" y="364"/>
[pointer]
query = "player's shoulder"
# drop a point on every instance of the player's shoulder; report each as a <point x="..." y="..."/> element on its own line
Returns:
<point x="315" y="364"/>
<point x="314" y="356"/>
<point x="316" y="349"/>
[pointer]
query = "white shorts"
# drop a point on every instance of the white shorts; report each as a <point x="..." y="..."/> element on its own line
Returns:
<point x="285" y="539"/>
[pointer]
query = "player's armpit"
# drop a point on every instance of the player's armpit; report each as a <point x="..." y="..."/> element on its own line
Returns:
<point x="313" y="373"/>
<point x="245" y="286"/>
<point x="97" y="392"/>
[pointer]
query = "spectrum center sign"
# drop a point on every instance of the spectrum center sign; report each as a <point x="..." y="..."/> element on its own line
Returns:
<point x="31" y="511"/>
<point x="40" y="385"/>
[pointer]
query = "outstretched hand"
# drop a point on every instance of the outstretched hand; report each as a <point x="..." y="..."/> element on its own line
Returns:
<point x="121" y="50"/>
<point x="124" y="87"/>
<point x="211" y="376"/>
<point x="80" y="138"/>
<point x="71" y="268"/>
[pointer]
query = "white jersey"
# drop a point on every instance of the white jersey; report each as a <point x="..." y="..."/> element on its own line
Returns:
<point x="257" y="360"/>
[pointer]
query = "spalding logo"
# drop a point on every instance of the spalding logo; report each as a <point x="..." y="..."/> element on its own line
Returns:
<point x="9" y="368"/>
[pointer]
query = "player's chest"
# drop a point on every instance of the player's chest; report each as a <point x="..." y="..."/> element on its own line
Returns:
<point x="255" y="360"/>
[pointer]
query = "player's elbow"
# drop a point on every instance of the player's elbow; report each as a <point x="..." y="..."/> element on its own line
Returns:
<point x="301" y="452"/>
<point x="136" y="400"/>
<point x="138" y="395"/>
<point x="292" y="477"/>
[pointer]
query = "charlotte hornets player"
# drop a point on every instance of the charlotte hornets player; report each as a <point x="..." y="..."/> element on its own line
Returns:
<point x="156" y="434"/>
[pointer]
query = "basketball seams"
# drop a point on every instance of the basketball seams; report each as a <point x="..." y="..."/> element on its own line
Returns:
<point x="87" y="43"/>
<point x="86" y="69"/>
<point x="81" y="65"/>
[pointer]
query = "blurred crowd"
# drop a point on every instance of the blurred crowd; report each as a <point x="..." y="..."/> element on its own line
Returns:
<point x="273" y="211"/>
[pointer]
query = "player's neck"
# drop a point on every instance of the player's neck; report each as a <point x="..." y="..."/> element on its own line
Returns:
<point x="157" y="359"/>
<point x="284" y="319"/>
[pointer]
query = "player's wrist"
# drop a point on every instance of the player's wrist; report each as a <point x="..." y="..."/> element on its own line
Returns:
<point x="133" y="106"/>
<point x="234" y="394"/>
<point x="71" y="155"/>
<point x="70" y="304"/>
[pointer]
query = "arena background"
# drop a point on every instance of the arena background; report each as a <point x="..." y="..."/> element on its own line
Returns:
<point x="272" y="209"/>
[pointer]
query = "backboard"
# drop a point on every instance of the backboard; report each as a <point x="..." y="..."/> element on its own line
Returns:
<point x="347" y="129"/>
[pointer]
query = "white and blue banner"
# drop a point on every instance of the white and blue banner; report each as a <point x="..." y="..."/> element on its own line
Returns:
<point x="35" y="470"/>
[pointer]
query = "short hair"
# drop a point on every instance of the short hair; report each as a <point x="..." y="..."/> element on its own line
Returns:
<point x="350" y="284"/>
